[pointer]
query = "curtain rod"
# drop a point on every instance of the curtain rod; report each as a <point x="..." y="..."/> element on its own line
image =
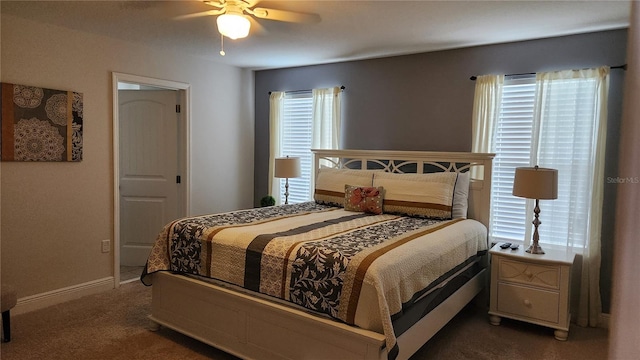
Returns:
<point x="623" y="67"/>
<point x="297" y="91"/>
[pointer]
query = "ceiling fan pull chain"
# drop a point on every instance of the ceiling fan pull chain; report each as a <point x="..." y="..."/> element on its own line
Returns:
<point x="222" y="45"/>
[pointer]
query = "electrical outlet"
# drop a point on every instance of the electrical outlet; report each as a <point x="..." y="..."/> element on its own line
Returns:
<point x="106" y="246"/>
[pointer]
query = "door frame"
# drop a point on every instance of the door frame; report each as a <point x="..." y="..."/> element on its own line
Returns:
<point x="184" y="156"/>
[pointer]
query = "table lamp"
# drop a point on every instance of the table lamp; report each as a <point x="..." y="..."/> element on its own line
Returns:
<point x="287" y="167"/>
<point x="536" y="183"/>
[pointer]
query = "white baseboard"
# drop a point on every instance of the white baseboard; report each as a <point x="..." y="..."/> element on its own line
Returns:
<point x="40" y="301"/>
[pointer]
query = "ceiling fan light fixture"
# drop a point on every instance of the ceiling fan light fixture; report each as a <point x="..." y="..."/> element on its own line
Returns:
<point x="233" y="26"/>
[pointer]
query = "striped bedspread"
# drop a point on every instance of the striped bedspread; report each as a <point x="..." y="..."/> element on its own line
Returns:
<point x="355" y="267"/>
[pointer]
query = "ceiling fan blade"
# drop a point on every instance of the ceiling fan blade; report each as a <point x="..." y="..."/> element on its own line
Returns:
<point x="283" y="15"/>
<point x="256" y="27"/>
<point x="219" y="4"/>
<point x="251" y="3"/>
<point x="199" y="14"/>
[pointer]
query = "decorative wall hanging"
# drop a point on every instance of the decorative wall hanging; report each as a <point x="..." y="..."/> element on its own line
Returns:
<point x="40" y="124"/>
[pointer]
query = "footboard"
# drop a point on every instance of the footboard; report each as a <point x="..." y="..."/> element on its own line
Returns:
<point x="253" y="328"/>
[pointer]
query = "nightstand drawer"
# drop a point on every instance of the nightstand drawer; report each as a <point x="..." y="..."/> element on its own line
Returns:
<point x="530" y="274"/>
<point x="528" y="302"/>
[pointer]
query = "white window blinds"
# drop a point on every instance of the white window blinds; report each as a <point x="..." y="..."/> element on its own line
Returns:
<point x="296" y="137"/>
<point x="512" y="145"/>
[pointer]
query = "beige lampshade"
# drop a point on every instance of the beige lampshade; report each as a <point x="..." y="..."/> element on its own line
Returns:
<point x="287" y="167"/>
<point x="536" y="183"/>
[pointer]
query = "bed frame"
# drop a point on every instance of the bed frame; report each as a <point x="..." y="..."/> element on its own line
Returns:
<point x="255" y="328"/>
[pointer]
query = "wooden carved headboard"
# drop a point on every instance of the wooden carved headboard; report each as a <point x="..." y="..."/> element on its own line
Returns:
<point x="421" y="162"/>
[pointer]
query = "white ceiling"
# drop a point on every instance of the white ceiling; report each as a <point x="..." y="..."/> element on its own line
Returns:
<point x="348" y="30"/>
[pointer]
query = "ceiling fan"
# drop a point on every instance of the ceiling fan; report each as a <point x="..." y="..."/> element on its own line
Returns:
<point x="234" y="16"/>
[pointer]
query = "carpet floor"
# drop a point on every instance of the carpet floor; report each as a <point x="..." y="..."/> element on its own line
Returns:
<point x="114" y="325"/>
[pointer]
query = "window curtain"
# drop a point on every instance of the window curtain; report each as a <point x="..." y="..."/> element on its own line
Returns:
<point x="569" y="134"/>
<point x="486" y="111"/>
<point x="326" y="123"/>
<point x="326" y="118"/>
<point x="276" y="102"/>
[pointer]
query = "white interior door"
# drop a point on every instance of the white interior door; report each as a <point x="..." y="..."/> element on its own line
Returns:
<point x="149" y="168"/>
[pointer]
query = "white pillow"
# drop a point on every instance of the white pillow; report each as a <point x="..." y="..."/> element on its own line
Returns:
<point x="424" y="195"/>
<point x="461" y="196"/>
<point x="330" y="184"/>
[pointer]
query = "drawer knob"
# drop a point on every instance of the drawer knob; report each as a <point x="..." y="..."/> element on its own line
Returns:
<point x="527" y="303"/>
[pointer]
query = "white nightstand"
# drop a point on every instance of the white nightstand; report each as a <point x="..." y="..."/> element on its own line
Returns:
<point x="532" y="288"/>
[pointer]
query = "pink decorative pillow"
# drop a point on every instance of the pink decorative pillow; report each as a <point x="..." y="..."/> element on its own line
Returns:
<point x="363" y="198"/>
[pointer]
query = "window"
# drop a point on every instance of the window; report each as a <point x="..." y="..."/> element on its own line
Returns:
<point x="563" y="138"/>
<point x="300" y="121"/>
<point x="297" y="123"/>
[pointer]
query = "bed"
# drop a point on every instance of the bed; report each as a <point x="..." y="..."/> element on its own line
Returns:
<point x="393" y="246"/>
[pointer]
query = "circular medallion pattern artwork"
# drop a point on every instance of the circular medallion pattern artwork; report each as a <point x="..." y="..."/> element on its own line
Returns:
<point x="27" y="96"/>
<point x="56" y="109"/>
<point x="41" y="124"/>
<point x="37" y="140"/>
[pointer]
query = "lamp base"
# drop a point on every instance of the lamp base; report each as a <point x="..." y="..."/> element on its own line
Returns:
<point x="535" y="249"/>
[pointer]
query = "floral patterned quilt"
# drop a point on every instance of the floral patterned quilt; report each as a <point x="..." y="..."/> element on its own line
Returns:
<point x="356" y="267"/>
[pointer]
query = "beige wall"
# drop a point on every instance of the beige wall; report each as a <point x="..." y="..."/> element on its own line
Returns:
<point x="54" y="215"/>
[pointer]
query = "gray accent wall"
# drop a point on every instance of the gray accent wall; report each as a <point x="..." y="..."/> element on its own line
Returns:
<point x="424" y="101"/>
